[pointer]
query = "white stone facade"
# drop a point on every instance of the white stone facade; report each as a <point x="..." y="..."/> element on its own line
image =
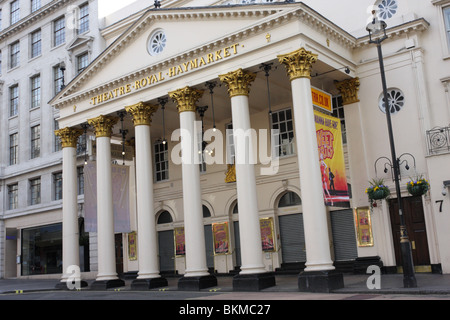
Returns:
<point x="416" y="56"/>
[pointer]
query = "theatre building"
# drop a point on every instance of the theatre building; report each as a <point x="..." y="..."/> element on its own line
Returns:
<point x="240" y="138"/>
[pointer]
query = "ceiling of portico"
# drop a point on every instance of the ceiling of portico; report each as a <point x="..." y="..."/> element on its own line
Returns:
<point x="280" y="97"/>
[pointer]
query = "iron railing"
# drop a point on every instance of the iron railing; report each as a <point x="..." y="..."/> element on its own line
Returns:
<point x="438" y="140"/>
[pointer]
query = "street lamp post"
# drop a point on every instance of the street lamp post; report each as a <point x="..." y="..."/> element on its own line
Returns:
<point x="375" y="28"/>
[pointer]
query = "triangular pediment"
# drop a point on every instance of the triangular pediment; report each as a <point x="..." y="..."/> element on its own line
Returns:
<point x="78" y="42"/>
<point x="187" y="31"/>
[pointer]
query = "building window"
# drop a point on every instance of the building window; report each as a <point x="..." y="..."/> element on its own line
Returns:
<point x="13" y="149"/>
<point x="161" y="161"/>
<point x="157" y="43"/>
<point x="35" y="191"/>
<point x="14" y="50"/>
<point x="289" y="199"/>
<point x="446" y="12"/>
<point x="282" y="121"/>
<point x="15" y="11"/>
<point x="13" y="196"/>
<point x="58" y="77"/>
<point x="396" y="100"/>
<point x="13" y="101"/>
<point x="82" y="62"/>
<point x="83" y="22"/>
<point x="36" y="47"/>
<point x="35" y="141"/>
<point x="58" y="186"/>
<point x="41" y="250"/>
<point x="58" y="145"/>
<point x="35" y="91"/>
<point x="80" y="179"/>
<point x="59" y="31"/>
<point x="35" y="5"/>
<point x="387" y="9"/>
<point x="230" y="144"/>
<point x="81" y="145"/>
<point x="338" y="112"/>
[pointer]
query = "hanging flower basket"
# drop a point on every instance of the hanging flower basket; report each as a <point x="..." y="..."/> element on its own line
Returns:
<point x="377" y="191"/>
<point x="418" y="187"/>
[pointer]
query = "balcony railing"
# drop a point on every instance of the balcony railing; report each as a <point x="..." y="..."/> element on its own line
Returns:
<point x="438" y="140"/>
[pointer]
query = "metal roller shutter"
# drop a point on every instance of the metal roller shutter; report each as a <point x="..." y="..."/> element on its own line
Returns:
<point x="344" y="237"/>
<point x="209" y="246"/>
<point x="292" y="238"/>
<point x="237" y="243"/>
<point x="166" y="251"/>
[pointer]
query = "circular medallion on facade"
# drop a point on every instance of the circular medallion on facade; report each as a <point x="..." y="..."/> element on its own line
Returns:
<point x="396" y="101"/>
<point x="157" y="42"/>
<point x="387" y="9"/>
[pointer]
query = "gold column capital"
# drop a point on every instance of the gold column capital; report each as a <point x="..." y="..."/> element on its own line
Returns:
<point x="103" y="125"/>
<point x="238" y="82"/>
<point x="142" y="113"/>
<point x="298" y="63"/>
<point x="186" y="98"/>
<point x="69" y="136"/>
<point x="349" y="90"/>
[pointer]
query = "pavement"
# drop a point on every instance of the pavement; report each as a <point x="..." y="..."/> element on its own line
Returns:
<point x="427" y="284"/>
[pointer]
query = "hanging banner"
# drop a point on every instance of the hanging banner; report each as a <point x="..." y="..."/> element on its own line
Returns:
<point x="120" y="193"/>
<point x="180" y="242"/>
<point x="267" y="234"/>
<point x="221" y="239"/>
<point x="322" y="100"/>
<point x="331" y="157"/>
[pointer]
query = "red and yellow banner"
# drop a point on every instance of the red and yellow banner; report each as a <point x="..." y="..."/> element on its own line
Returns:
<point x="322" y="100"/>
<point x="180" y="241"/>
<point x="331" y="157"/>
<point x="221" y="239"/>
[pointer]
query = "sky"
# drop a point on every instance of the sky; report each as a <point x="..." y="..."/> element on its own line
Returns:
<point x="106" y="7"/>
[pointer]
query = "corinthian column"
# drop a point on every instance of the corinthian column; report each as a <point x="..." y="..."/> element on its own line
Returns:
<point x="317" y="276"/>
<point x="253" y="275"/>
<point x="71" y="278"/>
<point x="196" y="276"/>
<point x="107" y="275"/>
<point x="148" y="275"/>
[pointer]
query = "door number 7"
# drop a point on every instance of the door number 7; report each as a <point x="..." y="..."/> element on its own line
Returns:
<point x="440" y="204"/>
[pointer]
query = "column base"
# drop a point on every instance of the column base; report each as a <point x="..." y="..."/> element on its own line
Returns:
<point x="63" y="285"/>
<point x="196" y="283"/>
<point x="253" y="282"/>
<point x="320" y="281"/>
<point x="147" y="284"/>
<point x="107" y="284"/>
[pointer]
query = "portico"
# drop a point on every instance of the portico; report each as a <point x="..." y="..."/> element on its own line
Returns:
<point x="120" y="80"/>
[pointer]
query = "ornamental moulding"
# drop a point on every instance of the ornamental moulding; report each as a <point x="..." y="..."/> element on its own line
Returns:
<point x="69" y="136"/>
<point x="270" y="17"/>
<point x="186" y="98"/>
<point x="103" y="125"/>
<point x="142" y="113"/>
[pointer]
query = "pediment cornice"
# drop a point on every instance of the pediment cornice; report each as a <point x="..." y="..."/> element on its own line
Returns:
<point x="266" y="18"/>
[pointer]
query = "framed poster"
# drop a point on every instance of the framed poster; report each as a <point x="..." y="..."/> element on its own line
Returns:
<point x="363" y="227"/>
<point x="132" y="249"/>
<point x="180" y="243"/>
<point x="267" y="234"/>
<point x="221" y="238"/>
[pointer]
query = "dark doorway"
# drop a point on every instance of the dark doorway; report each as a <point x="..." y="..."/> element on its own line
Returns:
<point x="415" y="226"/>
<point x="119" y="253"/>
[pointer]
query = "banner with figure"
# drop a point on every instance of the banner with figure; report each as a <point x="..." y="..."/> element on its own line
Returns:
<point x="120" y="193"/>
<point x="332" y="163"/>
